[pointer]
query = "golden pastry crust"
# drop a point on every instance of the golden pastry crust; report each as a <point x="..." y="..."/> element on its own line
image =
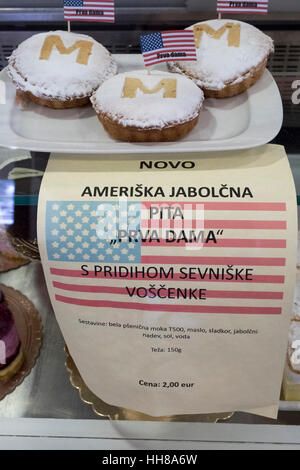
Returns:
<point x="135" y="134"/>
<point x="9" y="371"/>
<point x="60" y="69"/>
<point x="234" y="88"/>
<point x="54" y="103"/>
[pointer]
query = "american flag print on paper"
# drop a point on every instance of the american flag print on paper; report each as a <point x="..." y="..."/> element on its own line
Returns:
<point x="109" y="232"/>
<point x="81" y="231"/>
<point x="249" y="6"/>
<point x="168" y="46"/>
<point x="94" y="262"/>
<point x="84" y="10"/>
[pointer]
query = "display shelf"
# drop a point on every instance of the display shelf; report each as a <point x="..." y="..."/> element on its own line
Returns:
<point x="77" y="435"/>
<point x="47" y="392"/>
<point x="46" y="411"/>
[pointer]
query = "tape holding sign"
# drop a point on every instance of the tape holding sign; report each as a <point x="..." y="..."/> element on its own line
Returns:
<point x="172" y="280"/>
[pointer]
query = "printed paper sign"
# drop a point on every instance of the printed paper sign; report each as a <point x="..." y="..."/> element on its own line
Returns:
<point x="172" y="279"/>
<point x="250" y="6"/>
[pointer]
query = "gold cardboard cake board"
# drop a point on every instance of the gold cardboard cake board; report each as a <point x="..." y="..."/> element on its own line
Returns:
<point x="27" y="248"/>
<point x="29" y="327"/>
<point x="117" y="413"/>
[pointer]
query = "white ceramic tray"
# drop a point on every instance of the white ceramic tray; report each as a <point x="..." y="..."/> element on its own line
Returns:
<point x="248" y="120"/>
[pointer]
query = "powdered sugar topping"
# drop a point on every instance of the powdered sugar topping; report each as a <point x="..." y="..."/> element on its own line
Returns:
<point x="61" y="76"/>
<point x="148" y="110"/>
<point x="218" y="64"/>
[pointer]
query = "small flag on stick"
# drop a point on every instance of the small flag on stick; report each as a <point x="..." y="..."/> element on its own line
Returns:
<point x="249" y="6"/>
<point x="168" y="46"/>
<point x="84" y="10"/>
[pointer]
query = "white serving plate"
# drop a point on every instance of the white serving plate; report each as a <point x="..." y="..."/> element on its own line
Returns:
<point x="248" y="120"/>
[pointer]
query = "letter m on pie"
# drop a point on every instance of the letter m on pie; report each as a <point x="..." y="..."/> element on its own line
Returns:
<point x="84" y="49"/>
<point x="131" y="85"/>
<point x="234" y="33"/>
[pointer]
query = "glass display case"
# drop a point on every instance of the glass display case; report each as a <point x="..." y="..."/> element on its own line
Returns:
<point x="47" y="392"/>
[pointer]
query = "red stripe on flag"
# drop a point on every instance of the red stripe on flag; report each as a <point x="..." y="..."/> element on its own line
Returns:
<point x="222" y="243"/>
<point x="157" y="61"/>
<point x="170" y="308"/>
<point x="74" y="9"/>
<point x="147" y="62"/>
<point x="260" y="5"/>
<point x="210" y="294"/>
<point x="98" y="18"/>
<point x="249" y="7"/>
<point x="259" y="279"/>
<point x="247" y="224"/>
<point x="213" y="260"/>
<point x="184" y="40"/>
<point x="224" y="6"/>
<point x="225" y="206"/>
<point x="171" y="40"/>
<point x="244" y="10"/>
<point x="262" y="2"/>
<point x="86" y="288"/>
<point x="171" y="49"/>
<point x="229" y="224"/>
<point x="180" y="31"/>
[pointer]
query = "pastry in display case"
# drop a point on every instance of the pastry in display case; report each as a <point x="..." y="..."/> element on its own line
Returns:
<point x="294" y="347"/>
<point x="296" y="306"/>
<point x="20" y="334"/>
<point x="133" y="332"/>
<point x="231" y="57"/>
<point x="291" y="379"/>
<point x="9" y="257"/>
<point x="11" y="354"/>
<point x="45" y="69"/>
<point x="21" y="233"/>
<point x="148" y="107"/>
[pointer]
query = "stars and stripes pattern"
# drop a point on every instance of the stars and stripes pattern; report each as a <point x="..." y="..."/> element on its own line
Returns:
<point x="168" y="46"/>
<point x="79" y="231"/>
<point x="84" y="232"/>
<point x="249" y="6"/>
<point x="84" y="10"/>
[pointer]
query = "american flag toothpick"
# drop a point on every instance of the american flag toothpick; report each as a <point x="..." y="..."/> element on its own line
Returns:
<point x="86" y="10"/>
<point x="168" y="46"/>
<point x="249" y="6"/>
